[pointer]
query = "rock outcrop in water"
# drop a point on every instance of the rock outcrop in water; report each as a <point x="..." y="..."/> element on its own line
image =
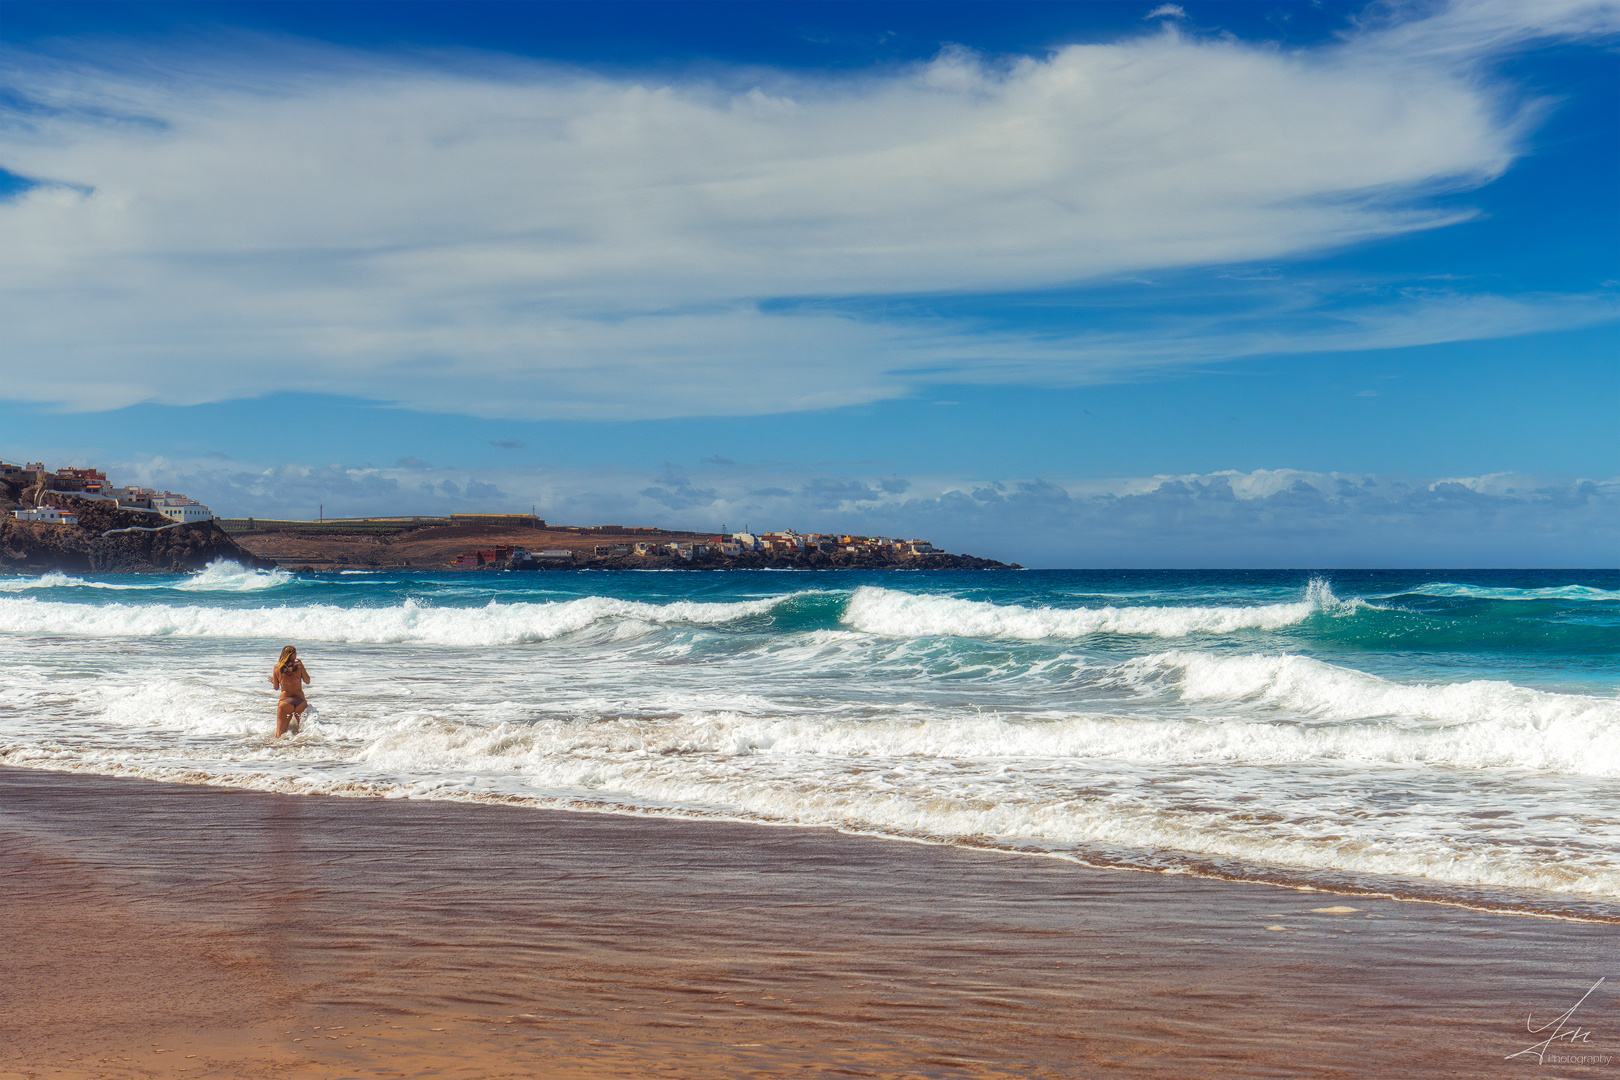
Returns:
<point x="38" y="547"/>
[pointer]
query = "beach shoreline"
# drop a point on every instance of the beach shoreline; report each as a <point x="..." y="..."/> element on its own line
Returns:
<point x="1518" y="903"/>
<point x="175" y="930"/>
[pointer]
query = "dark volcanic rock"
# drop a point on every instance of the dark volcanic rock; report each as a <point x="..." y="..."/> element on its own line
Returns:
<point x="32" y="546"/>
<point x="805" y="560"/>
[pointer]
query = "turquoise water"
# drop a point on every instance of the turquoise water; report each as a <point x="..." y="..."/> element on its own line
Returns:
<point x="1442" y="735"/>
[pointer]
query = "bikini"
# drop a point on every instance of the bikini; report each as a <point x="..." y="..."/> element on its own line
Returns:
<point x="289" y="695"/>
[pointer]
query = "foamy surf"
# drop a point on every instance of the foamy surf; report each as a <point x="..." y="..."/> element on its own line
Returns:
<point x="408" y="622"/>
<point x="55" y="579"/>
<point x="901" y="614"/>
<point x="716" y="765"/>
<point x="1270" y="739"/>
<point x="1304" y="688"/>
<point x="1476" y="592"/>
<point x="224" y="576"/>
<point x="221" y="575"/>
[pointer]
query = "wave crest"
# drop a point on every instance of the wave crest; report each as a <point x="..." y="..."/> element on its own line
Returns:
<point x="1482" y="592"/>
<point x="1477" y="724"/>
<point x="410" y="621"/>
<point x="223" y="575"/>
<point x="890" y="613"/>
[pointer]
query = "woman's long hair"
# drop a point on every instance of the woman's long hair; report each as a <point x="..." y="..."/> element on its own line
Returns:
<point x="288" y="655"/>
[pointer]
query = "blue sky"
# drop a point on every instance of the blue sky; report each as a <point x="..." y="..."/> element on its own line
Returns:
<point x="1074" y="284"/>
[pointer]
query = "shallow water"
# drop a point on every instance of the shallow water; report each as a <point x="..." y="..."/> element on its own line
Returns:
<point x="1444" y="735"/>
<point x="370" y="939"/>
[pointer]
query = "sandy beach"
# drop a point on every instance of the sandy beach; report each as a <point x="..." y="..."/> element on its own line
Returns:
<point x="172" y="930"/>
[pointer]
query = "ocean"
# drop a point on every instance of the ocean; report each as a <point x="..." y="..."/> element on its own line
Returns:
<point x="1444" y="736"/>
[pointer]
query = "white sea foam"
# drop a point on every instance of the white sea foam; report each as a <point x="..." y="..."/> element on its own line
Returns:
<point x="978" y="732"/>
<point x="902" y="614"/>
<point x="410" y="621"/>
<point x="1306" y="688"/>
<point x="1583" y="743"/>
<point x="222" y="575"/>
<point x="1481" y="592"/>
<point x="938" y="778"/>
<point x="55" y="579"/>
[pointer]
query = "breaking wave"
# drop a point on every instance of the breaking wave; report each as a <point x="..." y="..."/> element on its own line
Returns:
<point x="1311" y="709"/>
<point x="222" y="575"/>
<point x="410" y="621"/>
<point x="1481" y="592"/>
<point x="890" y="613"/>
<point x="1206" y="723"/>
<point x="55" y="579"/>
<point x="940" y="777"/>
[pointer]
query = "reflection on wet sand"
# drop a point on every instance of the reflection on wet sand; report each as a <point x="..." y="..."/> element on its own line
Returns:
<point x="172" y="930"/>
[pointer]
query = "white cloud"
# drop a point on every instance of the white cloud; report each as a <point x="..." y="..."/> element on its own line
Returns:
<point x="1293" y="321"/>
<point x="1459" y="33"/>
<point x="509" y="239"/>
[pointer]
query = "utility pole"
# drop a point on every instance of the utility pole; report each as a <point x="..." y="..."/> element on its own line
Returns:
<point x="322" y="513"/>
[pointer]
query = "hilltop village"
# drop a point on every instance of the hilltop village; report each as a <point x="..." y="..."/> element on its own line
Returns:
<point x="75" y="519"/>
<point x="25" y="488"/>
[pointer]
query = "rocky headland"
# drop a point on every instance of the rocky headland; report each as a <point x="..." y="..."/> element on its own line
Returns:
<point x="40" y="547"/>
<point x="110" y="539"/>
<point x="380" y="545"/>
<point x="804" y="560"/>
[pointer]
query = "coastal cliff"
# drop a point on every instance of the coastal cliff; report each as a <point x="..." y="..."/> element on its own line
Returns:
<point x="38" y="547"/>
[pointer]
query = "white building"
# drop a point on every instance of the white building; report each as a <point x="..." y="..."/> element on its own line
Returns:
<point x="133" y="498"/>
<point x="48" y="513"/>
<point x="181" y="509"/>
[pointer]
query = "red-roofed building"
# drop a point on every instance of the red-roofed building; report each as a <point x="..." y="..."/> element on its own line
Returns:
<point x="70" y="479"/>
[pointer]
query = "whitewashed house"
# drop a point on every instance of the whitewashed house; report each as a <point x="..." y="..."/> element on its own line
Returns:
<point x="181" y="509"/>
<point x="48" y="514"/>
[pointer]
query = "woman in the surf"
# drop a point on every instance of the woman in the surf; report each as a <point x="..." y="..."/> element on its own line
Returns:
<point x="289" y="677"/>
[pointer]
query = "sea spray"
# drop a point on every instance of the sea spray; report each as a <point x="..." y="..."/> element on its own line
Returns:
<point x="224" y="576"/>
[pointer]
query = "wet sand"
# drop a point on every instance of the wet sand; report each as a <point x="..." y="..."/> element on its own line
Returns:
<point x="169" y="930"/>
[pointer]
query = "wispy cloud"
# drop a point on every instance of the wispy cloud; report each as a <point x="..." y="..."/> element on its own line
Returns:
<point x="499" y="237"/>
<point x="1260" y="321"/>
<point x="1460" y="33"/>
